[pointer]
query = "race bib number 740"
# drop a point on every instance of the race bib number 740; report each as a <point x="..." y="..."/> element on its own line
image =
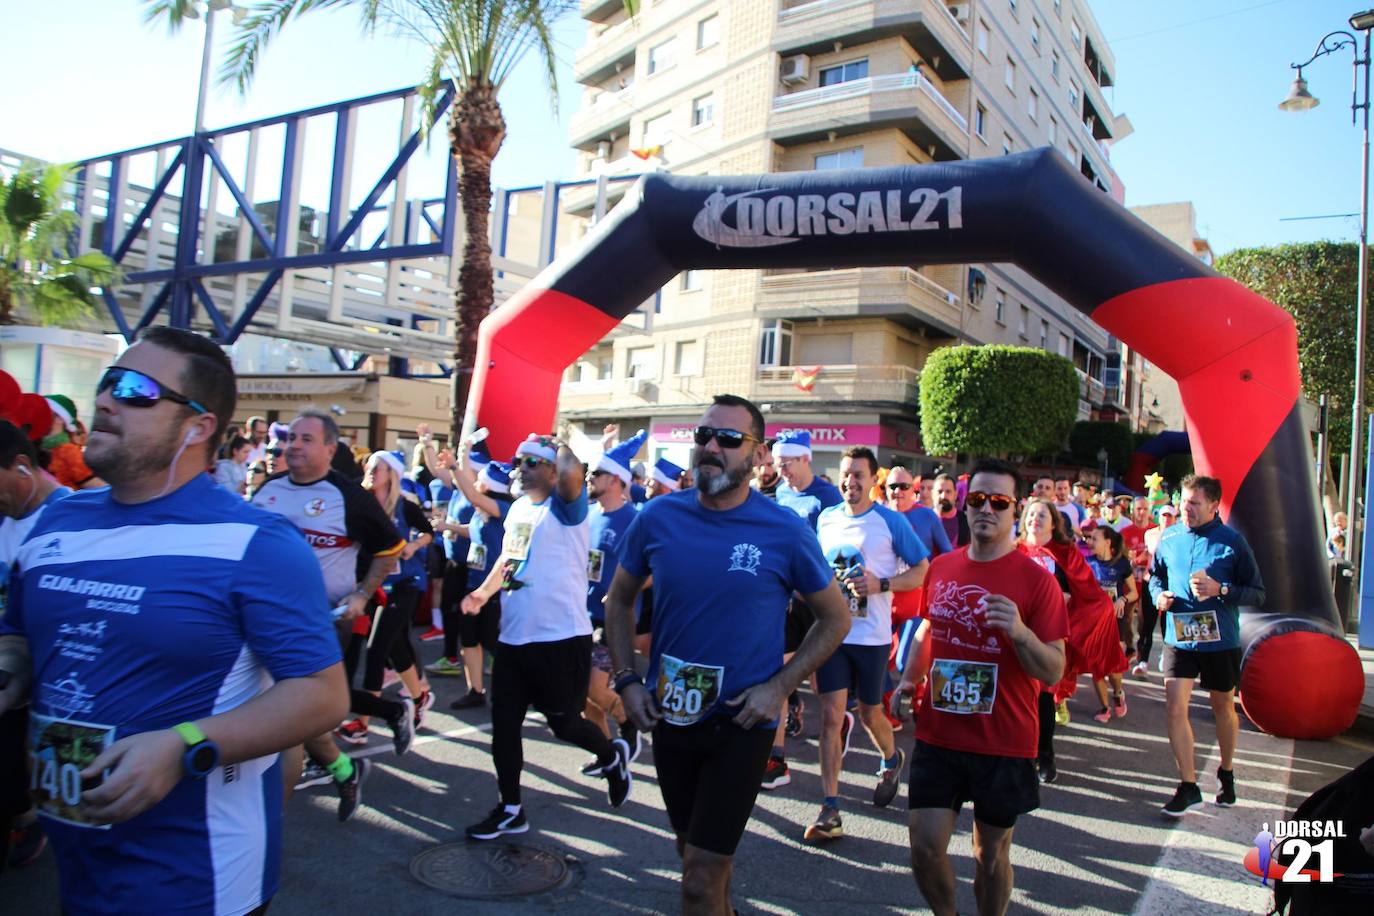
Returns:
<point x="687" y="691"/>
<point x="59" y="749"/>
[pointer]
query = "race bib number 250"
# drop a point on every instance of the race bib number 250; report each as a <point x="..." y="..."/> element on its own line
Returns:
<point x="687" y="691"/>
<point x="59" y="749"/>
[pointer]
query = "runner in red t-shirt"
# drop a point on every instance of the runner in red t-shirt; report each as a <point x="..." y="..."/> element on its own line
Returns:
<point x="994" y="629"/>
<point x="1139" y="554"/>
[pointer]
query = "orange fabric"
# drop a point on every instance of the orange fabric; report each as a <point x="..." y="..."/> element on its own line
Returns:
<point x="69" y="466"/>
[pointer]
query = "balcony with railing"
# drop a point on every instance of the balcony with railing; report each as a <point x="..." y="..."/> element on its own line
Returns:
<point x="906" y="101"/>
<point x="605" y="112"/>
<point x="900" y="293"/>
<point x="814" y="26"/>
<point x="608" y="50"/>
<point x="890" y="384"/>
<point x="600" y="10"/>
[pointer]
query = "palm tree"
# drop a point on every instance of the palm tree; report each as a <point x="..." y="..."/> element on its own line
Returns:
<point x="35" y="233"/>
<point x="474" y="45"/>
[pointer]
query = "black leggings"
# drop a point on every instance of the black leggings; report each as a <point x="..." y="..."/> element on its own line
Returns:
<point x="551" y="677"/>
<point x="391" y="636"/>
<point x="1045" y="707"/>
<point x="451" y="596"/>
<point x="1148" y="615"/>
<point x="360" y="702"/>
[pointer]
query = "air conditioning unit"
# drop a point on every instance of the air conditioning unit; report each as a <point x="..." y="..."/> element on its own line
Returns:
<point x="959" y="11"/>
<point x="795" y="69"/>
<point x="639" y="387"/>
<point x="603" y="149"/>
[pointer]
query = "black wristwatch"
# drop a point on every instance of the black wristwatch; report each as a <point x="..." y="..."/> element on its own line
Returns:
<point x="884" y="585"/>
<point x="624" y="678"/>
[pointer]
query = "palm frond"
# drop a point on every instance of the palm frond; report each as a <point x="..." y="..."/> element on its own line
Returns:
<point x="174" y="12"/>
<point x="263" y="23"/>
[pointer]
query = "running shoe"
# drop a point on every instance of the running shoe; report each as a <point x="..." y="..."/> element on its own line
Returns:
<point x="592" y="767"/>
<point x="794" y="718"/>
<point x="498" y="822"/>
<point x="1046" y="771"/>
<point x="889" y="781"/>
<point x="433" y="634"/>
<point x="27" y="844"/>
<point x="617" y="774"/>
<point x="775" y="774"/>
<point x="422" y="707"/>
<point x="1186" y="797"/>
<point x="470" y="700"/>
<point x="828" y="826"/>
<point x="403" y="726"/>
<point x="1061" y="713"/>
<point x="1119" y="704"/>
<point x="1141" y="669"/>
<point x="352" y="732"/>
<point x="351" y="789"/>
<point x="1227" y="796"/>
<point x="445" y="667"/>
<point x="633" y="738"/>
<point x="1103" y="715"/>
<point x="846" y="730"/>
<point x="313" y="775"/>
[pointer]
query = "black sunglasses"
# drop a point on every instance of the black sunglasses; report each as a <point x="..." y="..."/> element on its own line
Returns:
<point x="136" y="389"/>
<point x="899" y="486"/>
<point x="1000" y="503"/>
<point x="531" y="462"/>
<point x="726" y="438"/>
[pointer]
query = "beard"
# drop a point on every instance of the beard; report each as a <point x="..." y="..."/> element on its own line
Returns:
<point x="946" y="506"/>
<point x="727" y="479"/>
<point x="122" y="461"/>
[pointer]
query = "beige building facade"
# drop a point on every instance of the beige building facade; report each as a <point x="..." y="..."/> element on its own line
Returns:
<point x="751" y="86"/>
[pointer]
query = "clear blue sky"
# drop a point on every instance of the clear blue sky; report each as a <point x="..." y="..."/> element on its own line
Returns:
<point x="1200" y="81"/>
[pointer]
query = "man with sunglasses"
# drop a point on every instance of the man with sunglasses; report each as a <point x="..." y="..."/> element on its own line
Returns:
<point x="724" y="561"/>
<point x="544" y="651"/>
<point x="876" y="553"/>
<point x="994" y="630"/>
<point x="178" y="640"/>
<point x="903" y="496"/>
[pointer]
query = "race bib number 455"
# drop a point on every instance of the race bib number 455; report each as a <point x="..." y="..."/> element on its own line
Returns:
<point x="962" y="687"/>
<point x="59" y="749"/>
<point x="687" y="691"/>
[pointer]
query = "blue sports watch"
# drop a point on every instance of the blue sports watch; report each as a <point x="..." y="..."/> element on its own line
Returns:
<point x="202" y="754"/>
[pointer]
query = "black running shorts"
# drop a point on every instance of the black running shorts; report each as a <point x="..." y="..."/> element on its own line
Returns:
<point x="709" y="774"/>
<point x="1219" y="670"/>
<point x="1001" y="788"/>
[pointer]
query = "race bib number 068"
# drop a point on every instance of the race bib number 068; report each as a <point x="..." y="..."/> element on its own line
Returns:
<point x="687" y="691"/>
<point x="963" y="687"/>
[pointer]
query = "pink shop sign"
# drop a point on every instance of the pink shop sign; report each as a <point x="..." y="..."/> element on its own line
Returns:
<point x="827" y="435"/>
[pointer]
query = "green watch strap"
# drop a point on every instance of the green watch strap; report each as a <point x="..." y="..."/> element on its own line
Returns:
<point x="190" y="733"/>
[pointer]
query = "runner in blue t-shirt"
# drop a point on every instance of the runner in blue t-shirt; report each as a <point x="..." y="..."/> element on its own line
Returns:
<point x="801" y="491"/>
<point x="725" y="561"/>
<point x="179" y="639"/>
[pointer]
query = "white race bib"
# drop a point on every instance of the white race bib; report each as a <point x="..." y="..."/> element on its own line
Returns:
<point x="59" y="749"/>
<point x="963" y="687"/>
<point x="687" y="691"/>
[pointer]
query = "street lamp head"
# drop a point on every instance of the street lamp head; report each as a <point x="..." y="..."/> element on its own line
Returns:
<point x="1362" y="21"/>
<point x="1299" y="99"/>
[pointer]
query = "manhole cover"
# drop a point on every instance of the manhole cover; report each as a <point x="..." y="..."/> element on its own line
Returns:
<point x="489" y="870"/>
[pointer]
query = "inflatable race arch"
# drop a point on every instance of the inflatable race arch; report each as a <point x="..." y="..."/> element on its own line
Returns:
<point x="1233" y="353"/>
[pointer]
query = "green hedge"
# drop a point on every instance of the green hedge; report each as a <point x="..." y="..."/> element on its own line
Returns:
<point x="997" y="400"/>
<point x="1088" y="436"/>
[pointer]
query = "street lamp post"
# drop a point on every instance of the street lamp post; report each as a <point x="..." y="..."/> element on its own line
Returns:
<point x="1299" y="99"/>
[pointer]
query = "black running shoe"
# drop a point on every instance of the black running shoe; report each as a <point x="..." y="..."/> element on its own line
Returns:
<point x="1186" y="797"/>
<point x="828" y="826"/>
<point x="313" y="775"/>
<point x="497" y="823"/>
<point x="592" y="767"/>
<point x="1227" y="796"/>
<point x="402" y="725"/>
<point x="889" y="781"/>
<point x="633" y="738"/>
<point x="617" y="774"/>
<point x="351" y="789"/>
<point x="470" y="700"/>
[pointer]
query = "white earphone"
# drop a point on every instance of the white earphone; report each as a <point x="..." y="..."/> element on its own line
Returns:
<point x="24" y="471"/>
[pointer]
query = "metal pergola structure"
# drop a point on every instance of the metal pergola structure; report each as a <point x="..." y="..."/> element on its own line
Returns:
<point x="207" y="243"/>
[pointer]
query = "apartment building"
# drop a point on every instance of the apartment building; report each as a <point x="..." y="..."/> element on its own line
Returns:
<point x="751" y="86"/>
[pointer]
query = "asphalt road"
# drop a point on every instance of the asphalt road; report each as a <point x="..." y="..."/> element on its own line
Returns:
<point x="1097" y="845"/>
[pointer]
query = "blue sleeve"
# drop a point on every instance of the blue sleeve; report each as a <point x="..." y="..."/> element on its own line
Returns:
<point x="569" y="513"/>
<point x="1159" y="569"/>
<point x="280" y="597"/>
<point x="633" y="546"/>
<point x="810" y="571"/>
<point x="937" y="531"/>
<point x="905" y="543"/>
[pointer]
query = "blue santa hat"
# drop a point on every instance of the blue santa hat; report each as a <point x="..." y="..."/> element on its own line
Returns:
<point x="539" y="447"/>
<point x="794" y="443"/>
<point x="667" y="473"/>
<point x="394" y="460"/>
<point x="496" y="475"/>
<point x="617" y="460"/>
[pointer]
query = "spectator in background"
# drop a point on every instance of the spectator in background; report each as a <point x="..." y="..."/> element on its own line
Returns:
<point x="1340" y="528"/>
<point x="257" y="434"/>
<point x="952" y="520"/>
<point x="230" y="471"/>
<point x="66" y="462"/>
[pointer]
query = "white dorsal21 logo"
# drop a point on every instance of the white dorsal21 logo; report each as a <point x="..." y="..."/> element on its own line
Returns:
<point x="763" y="222"/>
